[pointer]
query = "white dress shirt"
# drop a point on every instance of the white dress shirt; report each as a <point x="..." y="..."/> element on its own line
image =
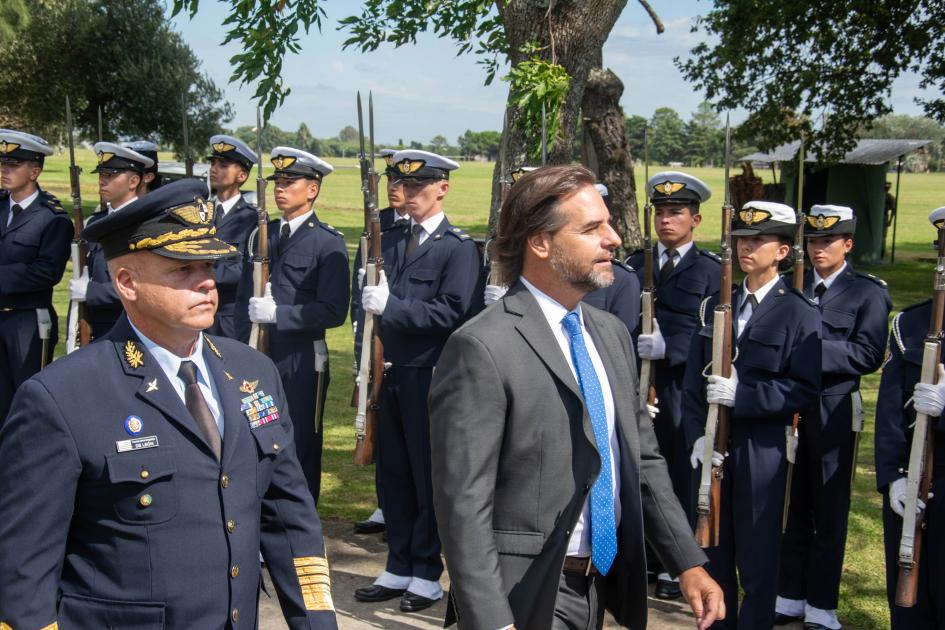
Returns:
<point x="23" y="204"/>
<point x="580" y="542"/>
<point x="228" y="205"/>
<point x="827" y="281"/>
<point x="295" y="223"/>
<point x="170" y="364"/>
<point x="429" y="226"/>
<point x="681" y="251"/>
<point x="745" y="311"/>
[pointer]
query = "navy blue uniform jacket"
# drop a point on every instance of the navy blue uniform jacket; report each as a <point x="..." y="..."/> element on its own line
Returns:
<point x="234" y="228"/>
<point x="102" y="306"/>
<point x="160" y="537"/>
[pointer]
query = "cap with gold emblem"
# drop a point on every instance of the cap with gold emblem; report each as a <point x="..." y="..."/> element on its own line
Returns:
<point x="676" y="187"/>
<point x="517" y="174"/>
<point x="146" y="148"/>
<point x="115" y="157"/>
<point x="17" y="146"/>
<point x="232" y="149"/>
<point x="416" y="165"/>
<point x="174" y="221"/>
<point x="388" y="155"/>
<point x="937" y="217"/>
<point x="764" y="217"/>
<point x="296" y="164"/>
<point x="827" y="220"/>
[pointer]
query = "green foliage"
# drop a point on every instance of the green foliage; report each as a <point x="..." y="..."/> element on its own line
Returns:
<point x="823" y="67"/>
<point x="14" y="17"/>
<point x="480" y="143"/>
<point x="533" y="84"/>
<point x="266" y="30"/>
<point x="915" y="128"/>
<point x="472" y="24"/>
<point x="120" y="55"/>
<point x="667" y="136"/>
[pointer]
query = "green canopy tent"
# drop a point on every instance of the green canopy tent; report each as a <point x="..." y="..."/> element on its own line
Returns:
<point x="858" y="181"/>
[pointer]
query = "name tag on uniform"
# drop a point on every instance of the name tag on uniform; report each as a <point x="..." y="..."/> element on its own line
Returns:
<point x="136" y="444"/>
<point x="259" y="409"/>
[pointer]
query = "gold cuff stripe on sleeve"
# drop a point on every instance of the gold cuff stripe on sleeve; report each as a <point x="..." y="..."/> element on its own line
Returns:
<point x="53" y="626"/>
<point x="314" y="582"/>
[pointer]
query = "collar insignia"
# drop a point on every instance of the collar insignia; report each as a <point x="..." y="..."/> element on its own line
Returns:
<point x="668" y="187"/>
<point x="222" y="147"/>
<point x="407" y="166"/>
<point x="104" y="156"/>
<point x="248" y="387"/>
<point x="822" y="222"/>
<point x="283" y="161"/>
<point x="752" y="216"/>
<point x="152" y="386"/>
<point x="133" y="356"/>
<point x="212" y="347"/>
<point x="8" y="147"/>
<point x="228" y="376"/>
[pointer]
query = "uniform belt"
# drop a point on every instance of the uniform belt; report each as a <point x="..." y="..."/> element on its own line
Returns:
<point x="574" y="564"/>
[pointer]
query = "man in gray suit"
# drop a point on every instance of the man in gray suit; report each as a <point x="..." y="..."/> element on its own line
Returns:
<point x="539" y="531"/>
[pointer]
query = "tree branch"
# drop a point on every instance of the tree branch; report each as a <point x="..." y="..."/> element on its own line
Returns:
<point x="657" y="22"/>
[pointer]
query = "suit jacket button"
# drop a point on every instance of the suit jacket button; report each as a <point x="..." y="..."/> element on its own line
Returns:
<point x="145" y="500"/>
<point x="567" y="533"/>
<point x="235" y="615"/>
<point x="225" y="480"/>
<point x="145" y="474"/>
<point x="234" y="572"/>
<point x="275" y="446"/>
<point x="231" y="526"/>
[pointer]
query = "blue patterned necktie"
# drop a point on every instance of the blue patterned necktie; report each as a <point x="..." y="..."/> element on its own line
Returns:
<point x="603" y="525"/>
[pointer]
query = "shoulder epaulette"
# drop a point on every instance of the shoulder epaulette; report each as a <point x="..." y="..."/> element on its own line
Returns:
<point x="702" y="308"/>
<point x="809" y="301"/>
<point x="458" y="233"/>
<point x="331" y="229"/>
<point x="917" y="305"/>
<point x="897" y="334"/>
<point x="394" y="226"/>
<point x="872" y="278"/>
<point x="51" y="201"/>
<point x="633" y="253"/>
<point x="711" y="255"/>
<point x="623" y="264"/>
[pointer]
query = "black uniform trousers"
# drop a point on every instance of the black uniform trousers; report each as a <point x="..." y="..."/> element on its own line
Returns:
<point x="668" y="382"/>
<point x="813" y="545"/>
<point x="21" y="351"/>
<point x="404" y="463"/>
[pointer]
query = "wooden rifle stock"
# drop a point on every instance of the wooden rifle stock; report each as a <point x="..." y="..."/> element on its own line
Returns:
<point x="80" y="332"/>
<point x="259" y="333"/>
<point x="919" y="479"/>
<point x="647" y="393"/>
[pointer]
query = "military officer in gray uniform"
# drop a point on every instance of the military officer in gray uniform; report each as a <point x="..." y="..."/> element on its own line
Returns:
<point x="141" y="476"/>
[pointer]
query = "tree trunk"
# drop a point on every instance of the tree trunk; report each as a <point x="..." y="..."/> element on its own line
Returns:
<point x="570" y="32"/>
<point x="605" y="128"/>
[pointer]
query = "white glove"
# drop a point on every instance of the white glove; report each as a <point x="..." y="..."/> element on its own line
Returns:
<point x="652" y="346"/>
<point x="697" y="450"/>
<point x="494" y="293"/>
<point x="897" y="497"/>
<point x="653" y="410"/>
<point x="262" y="310"/>
<point x="361" y="273"/>
<point x="930" y="399"/>
<point x="78" y="287"/>
<point x="721" y="390"/>
<point x="374" y="299"/>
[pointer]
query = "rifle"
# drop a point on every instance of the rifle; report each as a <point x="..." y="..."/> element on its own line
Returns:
<point x="718" y="419"/>
<point x="647" y="391"/>
<point x="504" y="186"/>
<point x="188" y="159"/>
<point x="101" y="200"/>
<point x="371" y="368"/>
<point x="79" y="328"/>
<point x="258" y="335"/>
<point x="919" y="480"/>
<point x="791" y="432"/>
<point x="544" y="137"/>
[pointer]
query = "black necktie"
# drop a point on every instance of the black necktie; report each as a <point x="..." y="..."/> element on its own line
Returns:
<point x="668" y="266"/>
<point x="198" y="408"/>
<point x="414" y="238"/>
<point x="819" y="290"/>
<point x="401" y="221"/>
<point x="284" y="234"/>
<point x="15" y="209"/>
<point x="218" y="213"/>
<point x="751" y="299"/>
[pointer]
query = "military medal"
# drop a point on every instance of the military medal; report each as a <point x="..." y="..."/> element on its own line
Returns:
<point x="260" y="409"/>
<point x="133" y="424"/>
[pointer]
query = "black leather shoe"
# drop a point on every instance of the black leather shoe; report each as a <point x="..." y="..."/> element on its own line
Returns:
<point x="411" y="602"/>
<point x="375" y="593"/>
<point x="781" y="619"/>
<point x="368" y="527"/>
<point x="814" y="626"/>
<point x="667" y="589"/>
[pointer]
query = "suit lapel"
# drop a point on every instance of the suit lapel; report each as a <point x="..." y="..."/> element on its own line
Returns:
<point x="427" y="245"/>
<point x="617" y="375"/>
<point x="684" y="262"/>
<point x="839" y="286"/>
<point x="767" y="305"/>
<point x="230" y="397"/>
<point x="298" y="235"/>
<point x="23" y="217"/>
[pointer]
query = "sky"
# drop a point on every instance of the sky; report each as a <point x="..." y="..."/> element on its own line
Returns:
<point x="426" y="90"/>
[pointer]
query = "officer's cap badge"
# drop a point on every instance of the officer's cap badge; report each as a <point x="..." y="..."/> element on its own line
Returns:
<point x="822" y="222"/>
<point x="283" y="161"/>
<point x="197" y="213"/>
<point x="8" y="147"/>
<point x="133" y="355"/>
<point x="669" y="187"/>
<point x="222" y="147"/>
<point x="389" y="159"/>
<point x="408" y="166"/>
<point x="752" y="216"/>
<point x="104" y="156"/>
<point x="248" y="387"/>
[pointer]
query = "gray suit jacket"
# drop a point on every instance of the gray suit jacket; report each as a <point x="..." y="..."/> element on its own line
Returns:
<point x="514" y="458"/>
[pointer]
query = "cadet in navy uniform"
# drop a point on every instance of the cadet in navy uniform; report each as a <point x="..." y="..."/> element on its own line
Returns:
<point x="776" y="372"/>
<point x="120" y="176"/>
<point x="307" y="294"/>
<point x="854" y="308"/>
<point x="393" y="214"/>
<point x="683" y="276"/>
<point x="894" y="419"/>
<point x="230" y="164"/>
<point x="151" y="180"/>
<point x="141" y="476"/>
<point x="430" y="277"/>
<point x="35" y="236"/>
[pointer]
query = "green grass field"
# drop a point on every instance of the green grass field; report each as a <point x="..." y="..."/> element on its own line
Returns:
<point x="348" y="491"/>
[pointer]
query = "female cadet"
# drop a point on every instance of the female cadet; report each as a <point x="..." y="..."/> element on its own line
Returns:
<point x="775" y="373"/>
